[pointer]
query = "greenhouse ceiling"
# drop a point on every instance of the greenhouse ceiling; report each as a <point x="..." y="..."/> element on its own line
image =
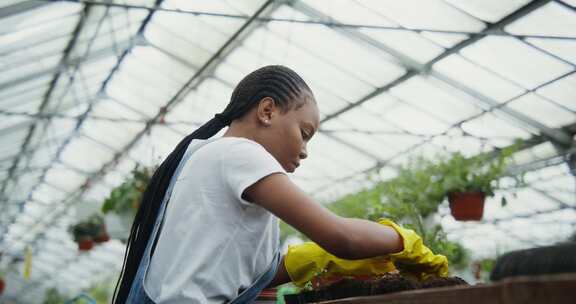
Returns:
<point x="89" y="89"/>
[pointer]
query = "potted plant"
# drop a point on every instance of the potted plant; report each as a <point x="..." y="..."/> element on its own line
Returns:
<point x="82" y="236"/>
<point x="126" y="197"/>
<point x="89" y="231"/>
<point x="122" y="204"/>
<point x="468" y="181"/>
<point x="98" y="228"/>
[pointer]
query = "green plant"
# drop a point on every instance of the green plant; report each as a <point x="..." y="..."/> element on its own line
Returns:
<point x="125" y="198"/>
<point x="101" y="292"/>
<point x="414" y="194"/>
<point x="486" y="265"/>
<point x="435" y="238"/>
<point x="53" y="296"/>
<point x="477" y="174"/>
<point x="91" y="228"/>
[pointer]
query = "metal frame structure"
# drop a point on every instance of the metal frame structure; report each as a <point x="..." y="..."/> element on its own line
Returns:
<point x="70" y="66"/>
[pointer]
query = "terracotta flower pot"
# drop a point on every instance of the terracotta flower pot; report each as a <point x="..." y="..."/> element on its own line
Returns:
<point x="467" y="206"/>
<point x="103" y="236"/>
<point x="85" y="244"/>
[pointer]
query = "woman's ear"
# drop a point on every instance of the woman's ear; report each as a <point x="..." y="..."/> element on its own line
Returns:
<point x="267" y="110"/>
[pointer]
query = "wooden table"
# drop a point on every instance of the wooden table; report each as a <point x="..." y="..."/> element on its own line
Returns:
<point x="544" y="289"/>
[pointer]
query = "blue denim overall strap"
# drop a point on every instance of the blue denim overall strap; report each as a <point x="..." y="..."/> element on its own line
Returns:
<point x="251" y="293"/>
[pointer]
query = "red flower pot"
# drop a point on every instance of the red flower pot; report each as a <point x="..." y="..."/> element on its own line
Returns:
<point x="85" y="244"/>
<point x="467" y="206"/>
<point x="2" y="286"/>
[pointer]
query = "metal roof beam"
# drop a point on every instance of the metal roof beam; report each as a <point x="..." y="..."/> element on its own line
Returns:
<point x="94" y="56"/>
<point x="19" y="8"/>
<point x="48" y="96"/>
<point x="342" y="141"/>
<point x="102" y="89"/>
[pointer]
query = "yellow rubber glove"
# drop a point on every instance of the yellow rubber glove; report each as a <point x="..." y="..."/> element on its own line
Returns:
<point x="305" y="261"/>
<point x="416" y="260"/>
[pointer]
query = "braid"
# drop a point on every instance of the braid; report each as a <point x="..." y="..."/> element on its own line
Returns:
<point x="278" y="82"/>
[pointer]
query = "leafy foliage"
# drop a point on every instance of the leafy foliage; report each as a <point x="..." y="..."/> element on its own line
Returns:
<point x="101" y="292"/>
<point x="419" y="188"/>
<point x="125" y="198"/>
<point x="480" y="173"/>
<point x="53" y="296"/>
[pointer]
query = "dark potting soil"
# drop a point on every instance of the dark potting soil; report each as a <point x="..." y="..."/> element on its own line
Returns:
<point x="442" y="282"/>
<point x="389" y="283"/>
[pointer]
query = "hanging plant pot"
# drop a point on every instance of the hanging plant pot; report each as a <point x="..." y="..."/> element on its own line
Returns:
<point x="2" y="286"/>
<point x="467" y="206"/>
<point x="85" y="244"/>
<point x="102" y="236"/>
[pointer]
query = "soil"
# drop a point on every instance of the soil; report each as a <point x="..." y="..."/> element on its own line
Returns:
<point x="443" y="282"/>
<point x="354" y="288"/>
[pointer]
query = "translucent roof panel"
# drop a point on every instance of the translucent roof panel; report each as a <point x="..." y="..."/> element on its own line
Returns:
<point x="543" y="110"/>
<point x="515" y="60"/>
<point x="438" y="103"/>
<point x="435" y="14"/>
<point x="561" y="92"/>
<point x="477" y="78"/>
<point x="551" y="20"/>
<point x="37" y="17"/>
<point x="492" y="126"/>
<point x="489" y="11"/>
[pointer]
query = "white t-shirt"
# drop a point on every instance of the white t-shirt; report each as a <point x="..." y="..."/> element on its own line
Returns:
<point x="213" y="242"/>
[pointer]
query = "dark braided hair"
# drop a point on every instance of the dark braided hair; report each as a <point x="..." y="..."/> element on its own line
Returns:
<point x="280" y="83"/>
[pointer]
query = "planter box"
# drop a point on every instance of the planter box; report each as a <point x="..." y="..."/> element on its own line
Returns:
<point x="545" y="289"/>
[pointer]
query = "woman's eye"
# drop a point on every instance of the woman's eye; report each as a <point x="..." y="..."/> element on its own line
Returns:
<point x="304" y="135"/>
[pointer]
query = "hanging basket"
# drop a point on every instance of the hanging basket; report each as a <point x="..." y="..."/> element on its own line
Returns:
<point x="467" y="206"/>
